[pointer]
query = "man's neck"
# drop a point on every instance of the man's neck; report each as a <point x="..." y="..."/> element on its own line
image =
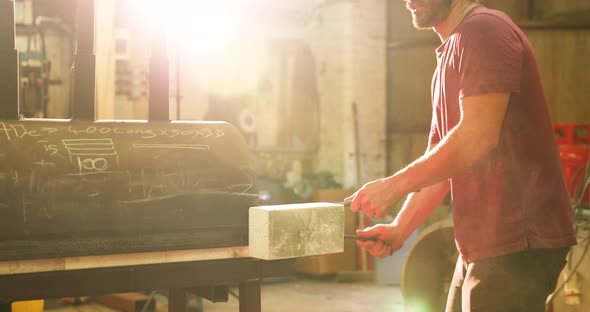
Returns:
<point x="459" y="9"/>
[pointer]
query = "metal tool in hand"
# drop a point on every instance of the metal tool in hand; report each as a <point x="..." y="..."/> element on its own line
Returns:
<point x="356" y="237"/>
<point x="362" y="239"/>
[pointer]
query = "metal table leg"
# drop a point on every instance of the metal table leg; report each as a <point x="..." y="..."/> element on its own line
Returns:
<point x="250" y="296"/>
<point x="177" y="300"/>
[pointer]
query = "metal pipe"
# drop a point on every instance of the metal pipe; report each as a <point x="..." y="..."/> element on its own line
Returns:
<point x="9" y="62"/>
<point x="84" y="63"/>
<point x="159" y="88"/>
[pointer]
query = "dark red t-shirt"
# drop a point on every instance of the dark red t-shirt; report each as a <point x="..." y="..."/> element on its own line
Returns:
<point x="514" y="198"/>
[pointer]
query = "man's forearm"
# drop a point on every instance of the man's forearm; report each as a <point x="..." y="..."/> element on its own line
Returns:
<point x="418" y="207"/>
<point x="457" y="152"/>
<point x="476" y="134"/>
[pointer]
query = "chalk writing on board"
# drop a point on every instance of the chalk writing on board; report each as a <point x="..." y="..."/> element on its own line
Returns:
<point x="51" y="148"/>
<point x="150" y="133"/>
<point x="90" y="147"/>
<point x="19" y="131"/>
<point x="57" y="177"/>
<point x="44" y="164"/>
<point x="91" y="155"/>
<point x="48" y="130"/>
<point x="243" y="188"/>
<point x="202" y="147"/>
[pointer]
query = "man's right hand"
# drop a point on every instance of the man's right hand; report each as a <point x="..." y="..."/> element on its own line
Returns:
<point x="388" y="239"/>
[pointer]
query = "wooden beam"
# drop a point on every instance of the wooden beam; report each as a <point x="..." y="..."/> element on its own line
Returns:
<point x="105" y="261"/>
<point x="554" y="25"/>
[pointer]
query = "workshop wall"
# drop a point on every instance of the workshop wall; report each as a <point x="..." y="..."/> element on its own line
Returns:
<point x="348" y="40"/>
<point x="561" y="8"/>
<point x="411" y="64"/>
<point x="565" y="69"/>
<point x="562" y="53"/>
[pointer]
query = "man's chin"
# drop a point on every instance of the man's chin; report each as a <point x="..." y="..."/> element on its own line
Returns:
<point x="420" y="25"/>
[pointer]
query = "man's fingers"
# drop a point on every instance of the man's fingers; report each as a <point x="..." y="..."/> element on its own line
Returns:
<point x="383" y="253"/>
<point x="379" y="214"/>
<point x="379" y="247"/>
<point x="380" y="250"/>
<point x="368" y="210"/>
<point x="348" y="201"/>
<point x="368" y="232"/>
<point x="366" y="244"/>
<point x="355" y="203"/>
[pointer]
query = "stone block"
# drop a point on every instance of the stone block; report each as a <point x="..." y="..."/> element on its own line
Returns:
<point x="296" y="230"/>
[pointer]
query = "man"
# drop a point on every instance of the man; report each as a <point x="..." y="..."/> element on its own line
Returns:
<point x="491" y="144"/>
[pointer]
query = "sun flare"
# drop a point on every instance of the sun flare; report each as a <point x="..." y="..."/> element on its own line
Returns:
<point x="204" y="26"/>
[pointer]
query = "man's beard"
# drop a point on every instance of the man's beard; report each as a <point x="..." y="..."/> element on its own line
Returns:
<point x="433" y="13"/>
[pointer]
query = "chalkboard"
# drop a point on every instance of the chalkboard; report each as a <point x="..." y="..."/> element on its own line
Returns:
<point x="71" y="188"/>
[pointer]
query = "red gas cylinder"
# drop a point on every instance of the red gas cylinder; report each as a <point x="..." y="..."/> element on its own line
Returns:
<point x="572" y="133"/>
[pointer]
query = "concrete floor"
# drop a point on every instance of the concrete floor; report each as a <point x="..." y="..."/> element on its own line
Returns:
<point x="301" y="294"/>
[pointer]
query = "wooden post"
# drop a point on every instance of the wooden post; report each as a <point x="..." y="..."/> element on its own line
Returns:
<point x="9" y="61"/>
<point x="84" y="63"/>
<point x="529" y="9"/>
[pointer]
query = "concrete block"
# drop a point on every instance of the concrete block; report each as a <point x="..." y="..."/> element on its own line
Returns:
<point x="296" y="230"/>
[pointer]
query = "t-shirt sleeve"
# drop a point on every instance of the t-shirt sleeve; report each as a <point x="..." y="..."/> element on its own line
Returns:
<point x="490" y="55"/>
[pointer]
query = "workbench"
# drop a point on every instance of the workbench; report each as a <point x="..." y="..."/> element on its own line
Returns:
<point x="206" y="272"/>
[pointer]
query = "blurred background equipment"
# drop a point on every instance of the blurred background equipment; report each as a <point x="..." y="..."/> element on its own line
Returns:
<point x="574" y="151"/>
<point x="45" y="39"/>
<point x="428" y="268"/>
